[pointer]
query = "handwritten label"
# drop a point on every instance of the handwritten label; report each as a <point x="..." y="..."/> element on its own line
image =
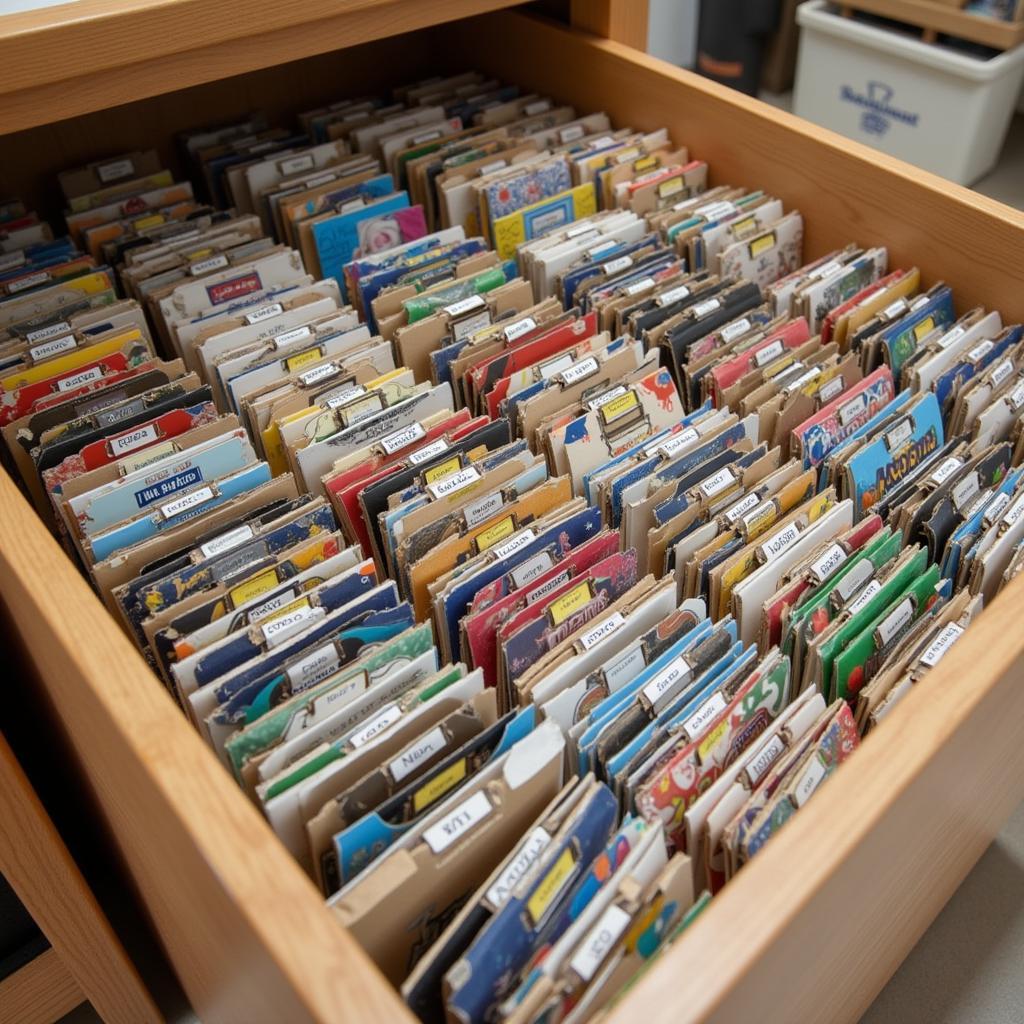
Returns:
<point x="419" y="752"/>
<point x="765" y="355"/>
<point x="297" y="164"/>
<point x="606" y="397"/>
<point x="618" y="407"/>
<point x="672" y="295"/>
<point x="670" y="446"/>
<point x="521" y="540"/>
<point x="979" y="352"/>
<point x="457" y="309"/>
<point x="284" y="626"/>
<point x="1001" y="372"/>
<point x="526" y="572"/>
<point x="207" y="266"/>
<point x="30" y="281"/>
<point x="52" y="348"/>
<point x="286" y="338"/>
<point x="854" y="408"/>
<point x="579" y="371"/>
<point x="482" y="509"/>
<point x="599" y="941"/>
<point x="319" y="373"/>
<point x="1014" y="512"/>
<point x="129" y="442"/>
<point x="42" y="333"/>
<point x="428" y="451"/>
<point x="617" y="265"/>
<point x="515" y="870"/>
<point x="458" y="823"/>
<point x="809" y="780"/>
<point x="114" y="170"/>
<point x="717" y="483"/>
<point x="734" y="330"/>
<point x="743" y="506"/>
<point x="1015" y="399"/>
<point x="994" y="510"/>
<point x="387" y="718"/>
<point x="899" y="435"/>
<point x="551" y="886"/>
<point x="453" y="483"/>
<point x="894" y="309"/>
<point x="639" y="286"/>
<point x="895" y="622"/>
<point x="827" y="563"/>
<point x="340" y="398"/>
<point x="951" y="337"/>
<point x="226" y="541"/>
<point x="763" y="760"/>
<point x="936" y="650"/>
<point x="571" y="134"/>
<point x="625" y="668"/>
<point x="487" y="538"/>
<point x="274" y="606"/>
<point x="264" y="313"/>
<point x="695" y="725"/>
<point x="519" y="328"/>
<point x="830" y="390"/>
<point x="676" y="670"/>
<point x="595" y="635"/>
<point x="964" y="490"/>
<point x="863" y="599"/>
<point x="702" y="309"/>
<point x="945" y="470"/>
<point x="313" y="668"/>
<point x="187" y="501"/>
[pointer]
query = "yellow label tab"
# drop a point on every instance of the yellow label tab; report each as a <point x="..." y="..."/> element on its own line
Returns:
<point x="311" y="355"/>
<point x="302" y="602"/>
<point x="924" y="327"/>
<point x="438" y="786"/>
<point x="618" y="407"/>
<point x="741" y="227"/>
<point x="130" y="463"/>
<point x="646" y="163"/>
<point x="253" y="587"/>
<point x="762" y="244"/>
<point x="575" y="599"/>
<point x="152" y="221"/>
<point x="671" y="187"/>
<point x="446" y="468"/>
<point x="549" y="889"/>
<point x="711" y="740"/>
<point x="493" y="534"/>
<point x="199" y="254"/>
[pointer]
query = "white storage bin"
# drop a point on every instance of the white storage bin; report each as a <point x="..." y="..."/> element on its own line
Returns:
<point x="934" y="107"/>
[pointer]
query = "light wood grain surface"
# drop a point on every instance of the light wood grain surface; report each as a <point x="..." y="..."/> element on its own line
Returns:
<point x="64" y="61"/>
<point x="625" y="21"/>
<point x="39" y="868"/>
<point x="41" y="992"/>
<point x="942" y="16"/>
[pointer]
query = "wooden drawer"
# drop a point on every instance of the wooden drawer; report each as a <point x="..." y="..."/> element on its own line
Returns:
<point x="816" y="924"/>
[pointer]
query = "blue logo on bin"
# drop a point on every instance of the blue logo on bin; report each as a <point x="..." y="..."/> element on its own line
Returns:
<point x="879" y="113"/>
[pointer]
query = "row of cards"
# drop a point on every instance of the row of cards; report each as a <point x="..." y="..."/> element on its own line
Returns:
<point x="524" y="521"/>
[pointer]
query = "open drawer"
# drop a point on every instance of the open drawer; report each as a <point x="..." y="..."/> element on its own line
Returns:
<point x="817" y="923"/>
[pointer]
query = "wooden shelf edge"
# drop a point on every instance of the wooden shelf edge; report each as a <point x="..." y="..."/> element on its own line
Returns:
<point x="108" y="53"/>
<point x="179" y="821"/>
<point x="952" y="21"/>
<point x="40" y="992"/>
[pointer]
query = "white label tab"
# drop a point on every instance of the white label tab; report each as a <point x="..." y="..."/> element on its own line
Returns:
<point x="764" y="759"/>
<point x="964" y="490"/>
<point x="896" y="621"/>
<point x="673" y="295"/>
<point x="716" y="483"/>
<point x="125" y="443"/>
<point x="698" y="722"/>
<point x="701" y="309"/>
<point x="595" y="403"/>
<point x="854" y="408"/>
<point x="280" y="629"/>
<point x="980" y="351"/>
<point x="896" y="437"/>
<point x="381" y="723"/>
<point x="537" y="107"/>
<point x="52" y="348"/>
<point x="115" y="169"/>
<point x="616" y="266"/>
<point x="513" y="544"/>
<point x="526" y="572"/>
<point x="457" y="823"/>
<point x="556" y="365"/>
<point x="465" y="306"/>
<point x="519" y="328"/>
<point x="78" y="379"/>
<point x="428" y="451"/>
<point x="1001" y="372"/>
<point x="287" y="337"/>
<point x="827" y="563"/>
<point x="809" y="780"/>
<point x="325" y="371"/>
<point x="1013" y="513"/>
<point x="769" y="353"/>
<point x="519" y="863"/>
<point x="412" y="757"/>
<point x="453" y="483"/>
<point x="669" y="446"/>
<point x="41" y="333"/>
<point x="831" y="389"/>
<point x="863" y="599"/>
<point x="639" y="286"/>
<point x="676" y="670"/>
<point x="30" y="281"/>
<point x="208" y="265"/>
<point x="599" y="941"/>
<point x="313" y="668"/>
<point x="594" y="636"/>
<point x="945" y="470"/>
<point x="951" y="337"/>
<point x="580" y="371"/>
<point x="730" y="332"/>
<point x="934" y="652"/>
<point x="742" y="507"/>
<point x="226" y="541"/>
<point x="400" y="439"/>
<point x="264" y="313"/>
<point x="187" y="501"/>
<point x="343" y="397"/>
<point x="296" y="164"/>
<point x="477" y="512"/>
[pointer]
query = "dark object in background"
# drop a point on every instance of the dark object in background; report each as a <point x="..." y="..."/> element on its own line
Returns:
<point x="779" y="66"/>
<point x="731" y="40"/>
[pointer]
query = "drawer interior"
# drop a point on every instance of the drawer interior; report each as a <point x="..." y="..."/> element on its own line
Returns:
<point x="822" y="917"/>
